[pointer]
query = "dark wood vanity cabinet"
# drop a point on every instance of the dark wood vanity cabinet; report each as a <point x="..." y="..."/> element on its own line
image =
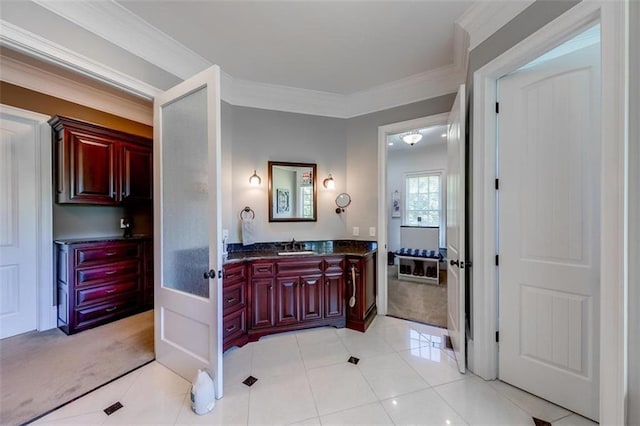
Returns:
<point x="263" y="313"/>
<point x="101" y="166"/>
<point x="234" y="305"/>
<point x="364" y="311"/>
<point x="100" y="281"/>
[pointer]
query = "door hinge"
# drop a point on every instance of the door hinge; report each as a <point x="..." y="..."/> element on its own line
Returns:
<point x="497" y="259"/>
<point x="497" y="336"/>
<point x="497" y="107"/>
<point x="497" y="184"/>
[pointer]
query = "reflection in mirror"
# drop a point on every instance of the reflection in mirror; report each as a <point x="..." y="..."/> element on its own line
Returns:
<point x="292" y="192"/>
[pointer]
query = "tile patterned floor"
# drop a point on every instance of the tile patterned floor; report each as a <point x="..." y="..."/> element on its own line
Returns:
<point x="404" y="377"/>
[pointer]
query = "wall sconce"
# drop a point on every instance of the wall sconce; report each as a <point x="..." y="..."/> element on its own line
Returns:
<point x="255" y="180"/>
<point x="329" y="183"/>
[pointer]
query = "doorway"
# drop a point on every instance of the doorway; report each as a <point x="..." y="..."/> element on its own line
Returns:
<point x="416" y="181"/>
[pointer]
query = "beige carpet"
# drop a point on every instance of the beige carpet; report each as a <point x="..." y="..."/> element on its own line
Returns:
<point x="41" y="371"/>
<point x="421" y="302"/>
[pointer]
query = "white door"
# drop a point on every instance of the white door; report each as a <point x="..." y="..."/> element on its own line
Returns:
<point x="187" y="226"/>
<point x="18" y="225"/>
<point x="549" y="239"/>
<point x="455" y="229"/>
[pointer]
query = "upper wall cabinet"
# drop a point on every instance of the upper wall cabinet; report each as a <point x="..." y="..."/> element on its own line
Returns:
<point x="96" y="165"/>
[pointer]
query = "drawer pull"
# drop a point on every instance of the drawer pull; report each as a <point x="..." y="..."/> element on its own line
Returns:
<point x="231" y="276"/>
<point x="263" y="269"/>
<point x="230" y="329"/>
<point x="327" y="283"/>
<point x="111" y="309"/>
<point x="112" y="253"/>
<point x="113" y="290"/>
<point x="110" y="272"/>
<point x="231" y="300"/>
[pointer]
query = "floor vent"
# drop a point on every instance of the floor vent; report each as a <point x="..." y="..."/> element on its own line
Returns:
<point x="447" y="342"/>
<point x="353" y="360"/>
<point x="249" y="381"/>
<point x="539" y="422"/>
<point x="112" y="408"/>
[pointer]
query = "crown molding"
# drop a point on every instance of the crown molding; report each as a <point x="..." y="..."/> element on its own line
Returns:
<point x="483" y="18"/>
<point x="39" y="80"/>
<point x="116" y="24"/>
<point x="31" y="44"/>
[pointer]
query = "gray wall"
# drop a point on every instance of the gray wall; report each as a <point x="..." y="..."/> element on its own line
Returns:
<point x="258" y="136"/>
<point x="362" y="158"/>
<point x="634" y="218"/>
<point x="71" y="221"/>
<point x="428" y="158"/>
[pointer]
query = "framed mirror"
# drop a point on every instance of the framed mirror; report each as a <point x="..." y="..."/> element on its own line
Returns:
<point x="292" y="192"/>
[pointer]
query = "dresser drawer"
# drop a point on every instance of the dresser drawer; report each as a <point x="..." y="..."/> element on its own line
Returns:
<point x="113" y="252"/>
<point x="99" y="294"/>
<point x="234" y="325"/>
<point x="104" y="273"/>
<point x="262" y="269"/>
<point x="334" y="264"/>
<point x="234" y="273"/>
<point x="90" y="315"/>
<point x="233" y="297"/>
<point x="300" y="266"/>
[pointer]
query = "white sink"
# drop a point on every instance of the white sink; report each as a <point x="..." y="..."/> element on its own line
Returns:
<point x="295" y="253"/>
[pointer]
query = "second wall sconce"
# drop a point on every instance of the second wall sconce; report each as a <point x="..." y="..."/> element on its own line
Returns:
<point x="255" y="180"/>
<point x="329" y="183"/>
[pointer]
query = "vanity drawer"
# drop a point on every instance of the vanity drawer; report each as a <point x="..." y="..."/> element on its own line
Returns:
<point x="305" y="265"/>
<point x="233" y="297"/>
<point x="234" y="325"/>
<point x="334" y="264"/>
<point x="262" y="269"/>
<point x="93" y="295"/>
<point x="234" y="273"/>
<point x="103" y="273"/>
<point x="112" y="252"/>
<point x="89" y="316"/>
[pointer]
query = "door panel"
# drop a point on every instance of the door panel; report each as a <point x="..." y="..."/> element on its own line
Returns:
<point x="455" y="229"/>
<point x="137" y="173"/>
<point x="311" y="293"/>
<point x="549" y="202"/>
<point x="288" y="300"/>
<point x="334" y="295"/>
<point x="188" y="312"/>
<point x="262" y="303"/>
<point x="93" y="168"/>
<point x="18" y="222"/>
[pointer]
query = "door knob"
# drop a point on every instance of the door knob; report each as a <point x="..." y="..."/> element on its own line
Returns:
<point x="454" y="262"/>
<point x="210" y="274"/>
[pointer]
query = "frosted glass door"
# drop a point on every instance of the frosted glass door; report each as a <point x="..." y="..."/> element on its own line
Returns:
<point x="187" y="226"/>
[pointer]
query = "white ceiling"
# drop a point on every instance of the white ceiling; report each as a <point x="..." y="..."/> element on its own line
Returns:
<point x="430" y="136"/>
<point x="332" y="58"/>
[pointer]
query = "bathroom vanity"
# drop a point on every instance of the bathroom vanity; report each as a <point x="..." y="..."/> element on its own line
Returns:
<point x="266" y="293"/>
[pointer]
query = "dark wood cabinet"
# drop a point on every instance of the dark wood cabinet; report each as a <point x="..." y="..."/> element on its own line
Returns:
<point x="334" y="297"/>
<point x="262" y="303"/>
<point x="100" y="281"/>
<point x="234" y="305"/>
<point x="361" y="282"/>
<point x="97" y="165"/>
<point x="311" y="297"/>
<point x="288" y="296"/>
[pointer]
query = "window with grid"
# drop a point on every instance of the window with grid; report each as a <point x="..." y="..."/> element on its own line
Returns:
<point x="306" y="201"/>
<point x="423" y="203"/>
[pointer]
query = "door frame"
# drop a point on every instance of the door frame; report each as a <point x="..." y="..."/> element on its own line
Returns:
<point x="483" y="350"/>
<point x="383" y="200"/>
<point x="45" y="291"/>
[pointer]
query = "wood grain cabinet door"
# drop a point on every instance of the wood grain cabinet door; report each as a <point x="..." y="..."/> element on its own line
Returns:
<point x="334" y="296"/>
<point x="311" y="297"/>
<point x="136" y="173"/>
<point x="92" y="170"/>
<point x="288" y="297"/>
<point x="262" y="306"/>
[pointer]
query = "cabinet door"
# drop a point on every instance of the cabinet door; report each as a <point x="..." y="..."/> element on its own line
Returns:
<point x="311" y="297"/>
<point x="369" y="282"/>
<point x="334" y="295"/>
<point x="136" y="173"/>
<point x="356" y="312"/>
<point x="288" y="300"/>
<point x="262" y="312"/>
<point x="92" y="169"/>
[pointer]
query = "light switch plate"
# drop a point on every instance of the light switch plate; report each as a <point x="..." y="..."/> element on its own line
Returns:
<point x="356" y="231"/>
<point x="122" y="225"/>
<point x="372" y="231"/>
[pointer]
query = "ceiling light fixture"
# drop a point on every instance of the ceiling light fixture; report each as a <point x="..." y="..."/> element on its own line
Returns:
<point x="444" y="135"/>
<point x="329" y="183"/>
<point x="255" y="180"/>
<point x="412" y="137"/>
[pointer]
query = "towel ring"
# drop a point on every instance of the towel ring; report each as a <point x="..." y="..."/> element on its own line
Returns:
<point x="245" y="211"/>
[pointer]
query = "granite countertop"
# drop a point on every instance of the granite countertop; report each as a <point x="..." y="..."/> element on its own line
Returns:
<point x="101" y="239"/>
<point x="238" y="253"/>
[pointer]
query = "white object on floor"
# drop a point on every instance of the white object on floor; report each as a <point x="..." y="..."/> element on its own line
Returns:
<point x="203" y="393"/>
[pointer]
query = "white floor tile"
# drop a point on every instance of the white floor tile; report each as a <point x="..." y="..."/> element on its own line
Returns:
<point x="433" y="365"/>
<point x="479" y="404"/>
<point x="315" y="421"/>
<point x="371" y="414"/>
<point x="281" y="400"/>
<point x="389" y="375"/>
<point x="156" y="408"/>
<point x="533" y="405"/>
<point x="403" y="337"/>
<point x="276" y="356"/>
<point x="425" y="407"/>
<point x="236" y="364"/>
<point x="316" y="335"/>
<point x="365" y="345"/>
<point x="155" y="378"/>
<point x="91" y="419"/>
<point x="382" y="321"/>
<point x="233" y="409"/>
<point x="574" y="420"/>
<point x="327" y="352"/>
<point x="339" y="387"/>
